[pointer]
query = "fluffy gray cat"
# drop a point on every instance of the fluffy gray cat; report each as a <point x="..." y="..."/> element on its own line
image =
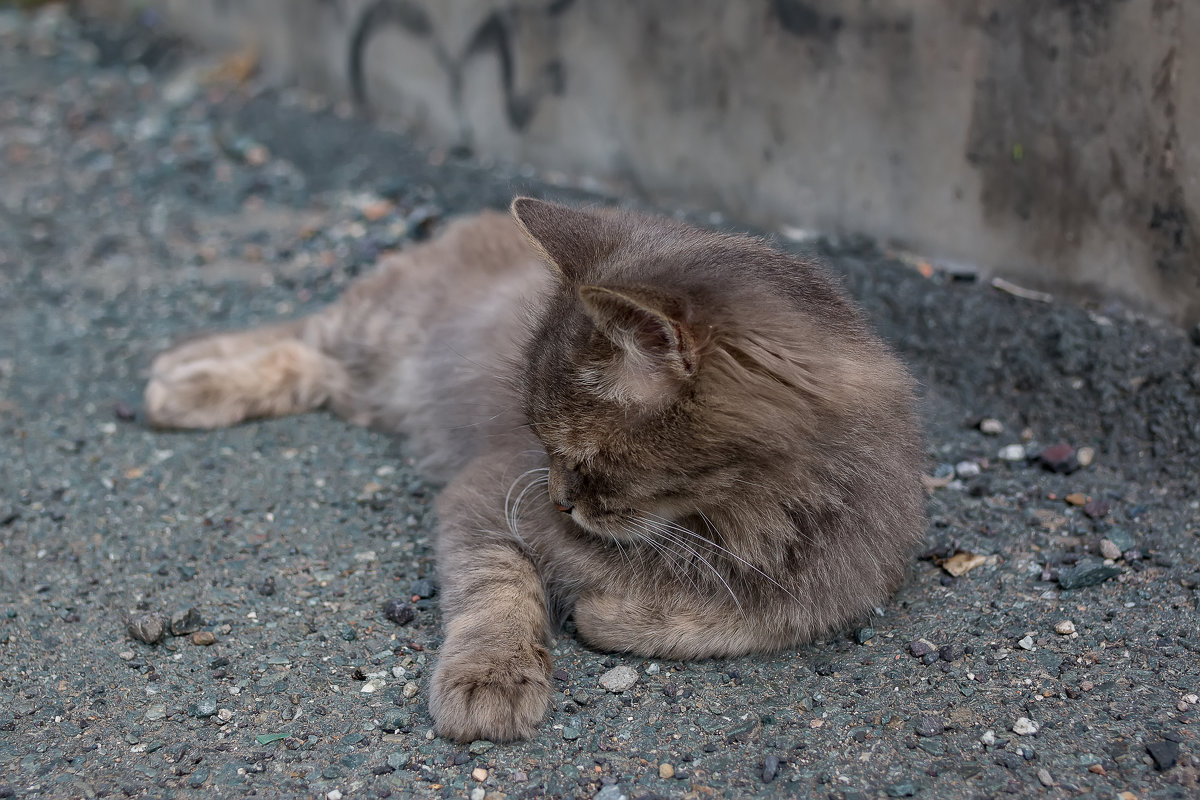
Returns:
<point x="688" y="441"/>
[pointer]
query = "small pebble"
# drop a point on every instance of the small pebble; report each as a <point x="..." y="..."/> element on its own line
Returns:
<point x="1044" y="776"/>
<point x="1059" y="458"/>
<point x="864" y="635"/>
<point x="770" y="767"/>
<point x="224" y="715"/>
<point x="203" y="638"/>
<point x="1026" y="643"/>
<point x="423" y="588"/>
<point x="1086" y="572"/>
<point x="991" y="427"/>
<point x="611" y="792"/>
<point x="480" y="746"/>
<point x="1097" y="509"/>
<point x="399" y="611"/>
<point x="1024" y="726"/>
<point x="920" y="647"/>
<point x="1064" y="628"/>
<point x="950" y="652"/>
<point x="1012" y="452"/>
<point x="125" y="655"/>
<point x="1164" y="752"/>
<point x="478" y="793"/>
<point x="653" y="669"/>
<point x="480" y="774"/>
<point x="204" y="708"/>
<point x="1120" y="538"/>
<point x="267" y="587"/>
<point x="967" y="469"/>
<point x="930" y="726"/>
<point x="148" y="628"/>
<point x="411" y="689"/>
<point x="988" y="738"/>
<point x="1085" y="456"/>
<point x="570" y="733"/>
<point x="619" y="679"/>
<point x="186" y="621"/>
<point x="666" y="771"/>
<point x="1109" y="549"/>
<point x="1076" y="498"/>
<point x="156" y="712"/>
<point x="333" y="794"/>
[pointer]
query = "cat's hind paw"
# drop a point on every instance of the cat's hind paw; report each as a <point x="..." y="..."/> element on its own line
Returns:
<point x="500" y="695"/>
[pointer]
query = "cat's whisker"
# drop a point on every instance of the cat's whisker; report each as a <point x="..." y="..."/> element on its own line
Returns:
<point x="670" y="557"/>
<point x="508" y="513"/>
<point x="682" y="530"/>
<point x="516" y="507"/>
<point x="665" y="533"/>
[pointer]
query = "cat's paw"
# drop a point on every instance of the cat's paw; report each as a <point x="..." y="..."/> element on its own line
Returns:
<point x="496" y="694"/>
<point x="192" y="395"/>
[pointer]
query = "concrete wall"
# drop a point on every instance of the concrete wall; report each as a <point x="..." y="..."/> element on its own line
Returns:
<point x="1056" y="142"/>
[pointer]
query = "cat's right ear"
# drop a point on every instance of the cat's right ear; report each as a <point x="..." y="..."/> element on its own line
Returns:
<point x="568" y="239"/>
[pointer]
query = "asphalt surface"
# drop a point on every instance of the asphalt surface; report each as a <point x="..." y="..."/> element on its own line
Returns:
<point x="140" y="201"/>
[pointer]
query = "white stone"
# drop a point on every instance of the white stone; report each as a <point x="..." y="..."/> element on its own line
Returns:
<point x="988" y="738"/>
<point x="1064" y="628"/>
<point x="1024" y="726"/>
<point x="1012" y="452"/>
<point x="967" y="469"/>
<point x="1026" y="643"/>
<point x="992" y="427"/>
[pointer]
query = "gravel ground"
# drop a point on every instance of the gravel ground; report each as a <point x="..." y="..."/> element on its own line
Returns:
<point x="142" y="198"/>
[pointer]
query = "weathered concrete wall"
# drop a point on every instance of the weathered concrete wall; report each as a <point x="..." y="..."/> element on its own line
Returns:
<point x="1054" y="141"/>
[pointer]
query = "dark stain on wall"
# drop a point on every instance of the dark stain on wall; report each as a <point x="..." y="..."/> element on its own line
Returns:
<point x="801" y="19"/>
<point x="1045" y="112"/>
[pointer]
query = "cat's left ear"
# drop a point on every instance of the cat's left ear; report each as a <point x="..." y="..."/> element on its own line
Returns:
<point x="570" y="239"/>
<point x="649" y="327"/>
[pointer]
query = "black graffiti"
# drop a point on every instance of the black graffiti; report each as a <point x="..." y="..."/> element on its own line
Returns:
<point x="492" y="35"/>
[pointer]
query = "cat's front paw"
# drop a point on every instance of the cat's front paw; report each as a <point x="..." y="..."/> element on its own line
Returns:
<point x="481" y="692"/>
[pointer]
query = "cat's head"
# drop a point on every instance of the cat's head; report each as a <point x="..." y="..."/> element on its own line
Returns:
<point x="674" y="372"/>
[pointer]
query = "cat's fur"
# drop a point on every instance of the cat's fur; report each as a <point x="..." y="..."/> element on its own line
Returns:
<point x="689" y="441"/>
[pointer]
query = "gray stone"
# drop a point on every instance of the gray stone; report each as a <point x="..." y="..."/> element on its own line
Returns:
<point x="148" y="628"/>
<point x="1087" y="572"/>
<point x="619" y="679"/>
<point x="186" y="621"/>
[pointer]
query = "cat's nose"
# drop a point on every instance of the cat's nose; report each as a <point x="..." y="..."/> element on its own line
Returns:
<point x="564" y="509"/>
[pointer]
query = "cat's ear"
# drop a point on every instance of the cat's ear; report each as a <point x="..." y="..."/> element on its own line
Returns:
<point x="648" y="326"/>
<point x="569" y="239"/>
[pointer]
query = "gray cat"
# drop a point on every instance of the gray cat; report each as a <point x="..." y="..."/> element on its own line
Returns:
<point x="690" y="442"/>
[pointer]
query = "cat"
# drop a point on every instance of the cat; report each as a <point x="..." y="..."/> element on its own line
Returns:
<point x="688" y="441"/>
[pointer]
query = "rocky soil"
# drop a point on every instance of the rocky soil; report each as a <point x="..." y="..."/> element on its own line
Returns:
<point x="252" y="611"/>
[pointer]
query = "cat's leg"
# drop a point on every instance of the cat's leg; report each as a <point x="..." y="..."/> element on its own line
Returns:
<point x="220" y="379"/>
<point x="492" y="679"/>
<point x="656" y="622"/>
